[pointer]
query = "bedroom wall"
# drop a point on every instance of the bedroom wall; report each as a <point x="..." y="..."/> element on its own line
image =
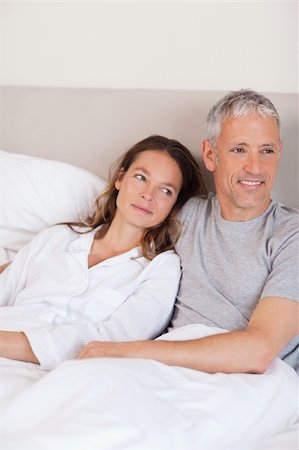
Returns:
<point x="161" y="45"/>
<point x="58" y="58"/>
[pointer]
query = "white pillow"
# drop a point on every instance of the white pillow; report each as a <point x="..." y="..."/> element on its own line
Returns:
<point x="36" y="193"/>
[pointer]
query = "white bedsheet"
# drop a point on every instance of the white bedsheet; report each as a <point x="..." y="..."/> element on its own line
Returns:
<point x="6" y="255"/>
<point x="142" y="404"/>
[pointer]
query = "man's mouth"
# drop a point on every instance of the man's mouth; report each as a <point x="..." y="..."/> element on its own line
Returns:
<point x="250" y="183"/>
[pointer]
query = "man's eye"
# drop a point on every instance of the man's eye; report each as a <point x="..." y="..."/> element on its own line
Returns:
<point x="238" y="150"/>
<point x="268" y="151"/>
<point x="140" y="177"/>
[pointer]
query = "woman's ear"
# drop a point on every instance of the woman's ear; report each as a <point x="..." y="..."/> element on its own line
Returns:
<point x="208" y="156"/>
<point x="119" y="179"/>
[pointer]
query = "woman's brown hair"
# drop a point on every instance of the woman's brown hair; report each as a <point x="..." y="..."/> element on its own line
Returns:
<point x="163" y="236"/>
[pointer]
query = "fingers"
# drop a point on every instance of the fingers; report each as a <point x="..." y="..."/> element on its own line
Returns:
<point x="91" y="350"/>
<point x="81" y="355"/>
<point x="98" y="349"/>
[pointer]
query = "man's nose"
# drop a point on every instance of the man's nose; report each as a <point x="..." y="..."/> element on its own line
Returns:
<point x="252" y="164"/>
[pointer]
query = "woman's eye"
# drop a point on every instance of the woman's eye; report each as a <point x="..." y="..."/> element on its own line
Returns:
<point x="140" y="177"/>
<point x="166" y="191"/>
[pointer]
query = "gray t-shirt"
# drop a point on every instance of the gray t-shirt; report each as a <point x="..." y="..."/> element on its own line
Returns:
<point x="229" y="266"/>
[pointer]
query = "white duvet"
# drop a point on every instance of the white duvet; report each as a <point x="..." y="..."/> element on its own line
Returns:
<point x="142" y="404"/>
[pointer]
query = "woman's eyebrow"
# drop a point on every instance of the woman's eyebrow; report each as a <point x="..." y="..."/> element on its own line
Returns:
<point x="164" y="183"/>
<point x="142" y="169"/>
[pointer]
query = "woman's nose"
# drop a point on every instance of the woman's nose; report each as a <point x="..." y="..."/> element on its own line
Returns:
<point x="147" y="193"/>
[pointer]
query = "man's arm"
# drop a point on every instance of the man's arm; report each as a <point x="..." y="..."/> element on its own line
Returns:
<point x="273" y="324"/>
<point x="15" y="345"/>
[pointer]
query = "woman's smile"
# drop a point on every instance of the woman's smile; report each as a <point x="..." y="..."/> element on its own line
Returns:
<point x="141" y="209"/>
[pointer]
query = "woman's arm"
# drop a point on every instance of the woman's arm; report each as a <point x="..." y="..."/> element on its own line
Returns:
<point x="14" y="274"/>
<point x="143" y="315"/>
<point x="15" y="345"/>
<point x="147" y="311"/>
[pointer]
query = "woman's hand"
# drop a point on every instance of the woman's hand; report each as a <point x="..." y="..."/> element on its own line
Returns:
<point x="3" y="266"/>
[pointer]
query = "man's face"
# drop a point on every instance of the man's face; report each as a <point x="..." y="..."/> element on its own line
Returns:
<point x="248" y="152"/>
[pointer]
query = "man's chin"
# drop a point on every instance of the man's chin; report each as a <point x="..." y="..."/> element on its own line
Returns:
<point x="256" y="206"/>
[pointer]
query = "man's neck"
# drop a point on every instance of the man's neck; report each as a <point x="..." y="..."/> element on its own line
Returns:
<point x="242" y="214"/>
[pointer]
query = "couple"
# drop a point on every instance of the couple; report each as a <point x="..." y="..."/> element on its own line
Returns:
<point x="116" y="274"/>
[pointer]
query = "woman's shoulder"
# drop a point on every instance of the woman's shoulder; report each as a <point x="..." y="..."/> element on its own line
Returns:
<point x="55" y="230"/>
<point x="168" y="259"/>
<point x="54" y="233"/>
<point x="164" y="266"/>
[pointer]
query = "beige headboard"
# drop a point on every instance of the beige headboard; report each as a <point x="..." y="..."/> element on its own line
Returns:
<point x="91" y="127"/>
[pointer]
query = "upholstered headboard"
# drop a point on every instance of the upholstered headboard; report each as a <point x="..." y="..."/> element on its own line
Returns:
<point x="91" y="127"/>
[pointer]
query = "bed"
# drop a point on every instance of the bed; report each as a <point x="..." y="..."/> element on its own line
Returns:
<point x="63" y="140"/>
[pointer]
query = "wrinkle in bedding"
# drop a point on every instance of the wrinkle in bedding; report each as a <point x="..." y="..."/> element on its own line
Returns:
<point x="142" y="404"/>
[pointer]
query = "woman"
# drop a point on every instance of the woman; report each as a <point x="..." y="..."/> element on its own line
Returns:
<point x="112" y="277"/>
<point x="3" y="266"/>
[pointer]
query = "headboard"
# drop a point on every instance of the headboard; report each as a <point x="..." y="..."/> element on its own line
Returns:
<point x="90" y="128"/>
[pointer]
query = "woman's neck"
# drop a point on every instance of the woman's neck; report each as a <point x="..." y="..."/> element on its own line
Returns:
<point x="121" y="238"/>
<point x="113" y="241"/>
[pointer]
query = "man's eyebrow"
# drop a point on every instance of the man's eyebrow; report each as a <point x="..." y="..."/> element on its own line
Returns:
<point x="234" y="144"/>
<point x="268" y="144"/>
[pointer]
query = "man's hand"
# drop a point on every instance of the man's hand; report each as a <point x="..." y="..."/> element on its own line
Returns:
<point x="102" y="349"/>
<point x="274" y="323"/>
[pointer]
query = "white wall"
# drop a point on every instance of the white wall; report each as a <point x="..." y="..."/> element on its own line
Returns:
<point x="175" y="45"/>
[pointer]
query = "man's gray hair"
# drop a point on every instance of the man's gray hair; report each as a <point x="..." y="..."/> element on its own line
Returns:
<point x="238" y="104"/>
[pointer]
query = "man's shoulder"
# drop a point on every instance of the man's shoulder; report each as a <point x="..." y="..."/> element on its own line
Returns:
<point x="197" y="205"/>
<point x="280" y="225"/>
<point x="284" y="216"/>
<point x="286" y="211"/>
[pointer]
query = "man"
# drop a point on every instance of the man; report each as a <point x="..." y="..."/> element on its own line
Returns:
<point x="239" y="253"/>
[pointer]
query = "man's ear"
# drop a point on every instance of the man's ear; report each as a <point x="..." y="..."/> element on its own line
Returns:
<point x="208" y="156"/>
<point x="119" y="178"/>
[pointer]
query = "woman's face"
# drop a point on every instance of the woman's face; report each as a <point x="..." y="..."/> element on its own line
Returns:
<point x="149" y="189"/>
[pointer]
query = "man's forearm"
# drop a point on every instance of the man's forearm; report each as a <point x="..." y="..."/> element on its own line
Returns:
<point x="274" y="322"/>
<point x="237" y="351"/>
<point x="15" y="345"/>
<point x="228" y="352"/>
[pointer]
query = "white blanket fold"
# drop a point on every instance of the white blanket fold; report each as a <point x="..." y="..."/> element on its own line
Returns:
<point x="144" y="405"/>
